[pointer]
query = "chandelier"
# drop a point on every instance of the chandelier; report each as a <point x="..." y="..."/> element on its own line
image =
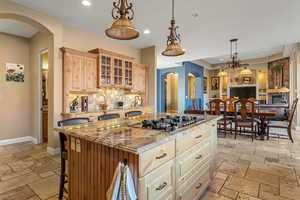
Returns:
<point x="122" y="28"/>
<point x="235" y="62"/>
<point x="173" y="41"/>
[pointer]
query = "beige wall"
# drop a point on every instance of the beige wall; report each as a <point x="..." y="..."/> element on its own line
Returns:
<point x="15" y="98"/>
<point x="63" y="35"/>
<point x="83" y="40"/>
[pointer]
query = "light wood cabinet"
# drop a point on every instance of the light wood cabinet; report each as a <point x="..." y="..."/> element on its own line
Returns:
<point x="114" y="70"/>
<point x="79" y="73"/>
<point x="159" y="183"/>
<point x="139" y="78"/>
<point x="156" y="157"/>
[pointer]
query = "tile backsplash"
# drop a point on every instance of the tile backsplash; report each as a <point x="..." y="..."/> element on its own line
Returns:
<point x="110" y="96"/>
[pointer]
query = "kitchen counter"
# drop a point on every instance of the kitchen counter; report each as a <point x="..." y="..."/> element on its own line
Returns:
<point x="164" y="165"/>
<point x="126" y="134"/>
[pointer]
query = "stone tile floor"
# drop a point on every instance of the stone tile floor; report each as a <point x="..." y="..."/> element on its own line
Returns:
<point x="259" y="170"/>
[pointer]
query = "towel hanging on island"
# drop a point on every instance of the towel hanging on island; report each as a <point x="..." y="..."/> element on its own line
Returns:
<point x="122" y="186"/>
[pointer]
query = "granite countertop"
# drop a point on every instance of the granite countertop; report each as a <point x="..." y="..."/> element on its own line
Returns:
<point x="125" y="134"/>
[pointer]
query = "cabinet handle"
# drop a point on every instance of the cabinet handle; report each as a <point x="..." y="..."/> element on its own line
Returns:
<point x="162" y="186"/>
<point x="213" y="125"/>
<point x="198" y="157"/>
<point x="199" y="186"/>
<point x="162" y="156"/>
<point x="199" y="136"/>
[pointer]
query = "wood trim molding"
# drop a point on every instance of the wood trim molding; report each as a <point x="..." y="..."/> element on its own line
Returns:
<point x="103" y="51"/>
<point x="74" y="51"/>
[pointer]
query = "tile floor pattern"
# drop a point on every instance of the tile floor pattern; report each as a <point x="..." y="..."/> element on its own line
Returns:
<point x="262" y="170"/>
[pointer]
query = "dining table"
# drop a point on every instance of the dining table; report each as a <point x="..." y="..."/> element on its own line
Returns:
<point x="262" y="115"/>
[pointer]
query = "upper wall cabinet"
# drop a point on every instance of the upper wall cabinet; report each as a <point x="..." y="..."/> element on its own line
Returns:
<point x="79" y="71"/>
<point x="114" y="70"/>
<point x="139" y="78"/>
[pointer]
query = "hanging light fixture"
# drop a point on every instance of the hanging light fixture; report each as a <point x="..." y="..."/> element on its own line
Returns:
<point x="173" y="42"/>
<point x="122" y="28"/>
<point x="235" y="62"/>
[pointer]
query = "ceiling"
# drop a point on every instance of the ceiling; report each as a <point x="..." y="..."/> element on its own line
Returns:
<point x="17" y="28"/>
<point x="245" y="55"/>
<point x="259" y="24"/>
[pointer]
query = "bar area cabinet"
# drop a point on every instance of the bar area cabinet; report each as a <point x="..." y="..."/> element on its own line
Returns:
<point x="139" y="78"/>
<point x="114" y="70"/>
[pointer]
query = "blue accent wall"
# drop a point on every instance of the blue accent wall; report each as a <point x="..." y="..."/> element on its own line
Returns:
<point x="182" y="71"/>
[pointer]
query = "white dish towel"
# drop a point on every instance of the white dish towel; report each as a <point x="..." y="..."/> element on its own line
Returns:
<point x="122" y="186"/>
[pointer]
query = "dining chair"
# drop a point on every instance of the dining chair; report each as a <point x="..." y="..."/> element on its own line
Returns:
<point x="133" y="113"/>
<point x="64" y="152"/>
<point x="244" y="117"/>
<point x="284" y="125"/>
<point x="108" y="116"/>
<point x="215" y="106"/>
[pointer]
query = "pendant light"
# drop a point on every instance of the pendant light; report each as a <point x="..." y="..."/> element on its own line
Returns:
<point x="173" y="42"/>
<point x="122" y="28"/>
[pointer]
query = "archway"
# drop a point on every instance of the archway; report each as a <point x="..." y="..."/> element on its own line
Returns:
<point x="48" y="30"/>
<point x="195" y="91"/>
<point x="171" y="92"/>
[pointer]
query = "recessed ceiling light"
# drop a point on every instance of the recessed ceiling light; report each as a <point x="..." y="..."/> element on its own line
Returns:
<point x="86" y="3"/>
<point x="184" y="50"/>
<point x="147" y="31"/>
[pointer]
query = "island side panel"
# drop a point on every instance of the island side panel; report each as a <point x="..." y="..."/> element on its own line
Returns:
<point x="91" y="167"/>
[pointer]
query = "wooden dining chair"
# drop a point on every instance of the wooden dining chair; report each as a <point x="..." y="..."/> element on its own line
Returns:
<point x="64" y="153"/>
<point x="284" y="125"/>
<point x="244" y="117"/>
<point x="217" y="107"/>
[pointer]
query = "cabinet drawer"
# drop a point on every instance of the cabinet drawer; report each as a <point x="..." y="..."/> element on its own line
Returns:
<point x="192" y="160"/>
<point x="154" y="158"/>
<point x="159" y="183"/>
<point x="194" y="187"/>
<point x="193" y="136"/>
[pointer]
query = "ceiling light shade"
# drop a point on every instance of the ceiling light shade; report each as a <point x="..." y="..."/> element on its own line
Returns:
<point x="122" y="28"/>
<point x="173" y="42"/>
<point x="246" y="71"/>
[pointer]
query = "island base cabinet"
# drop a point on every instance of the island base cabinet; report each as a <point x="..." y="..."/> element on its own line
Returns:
<point x="159" y="184"/>
<point x="194" y="187"/>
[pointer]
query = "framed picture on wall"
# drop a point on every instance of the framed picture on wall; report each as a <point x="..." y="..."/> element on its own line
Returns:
<point x="247" y="80"/>
<point x="215" y="83"/>
<point x="14" y="72"/>
<point x="205" y="85"/>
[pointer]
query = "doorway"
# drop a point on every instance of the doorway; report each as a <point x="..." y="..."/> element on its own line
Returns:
<point x="44" y="93"/>
<point x="171" y="93"/>
<point x="194" y="92"/>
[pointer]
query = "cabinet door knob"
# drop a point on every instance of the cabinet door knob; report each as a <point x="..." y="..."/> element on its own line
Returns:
<point x="162" y="186"/>
<point x="199" y="186"/>
<point x="162" y="156"/>
<point x="198" y="157"/>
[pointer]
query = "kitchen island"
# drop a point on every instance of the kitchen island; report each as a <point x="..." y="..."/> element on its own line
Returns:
<point x="175" y="164"/>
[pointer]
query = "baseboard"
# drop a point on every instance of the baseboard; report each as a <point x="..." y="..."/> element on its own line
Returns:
<point x="53" y="151"/>
<point x="19" y="140"/>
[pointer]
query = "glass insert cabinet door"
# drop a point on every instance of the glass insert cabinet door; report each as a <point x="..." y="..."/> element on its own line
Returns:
<point x="105" y="77"/>
<point x="118" y="71"/>
<point x="128" y="73"/>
